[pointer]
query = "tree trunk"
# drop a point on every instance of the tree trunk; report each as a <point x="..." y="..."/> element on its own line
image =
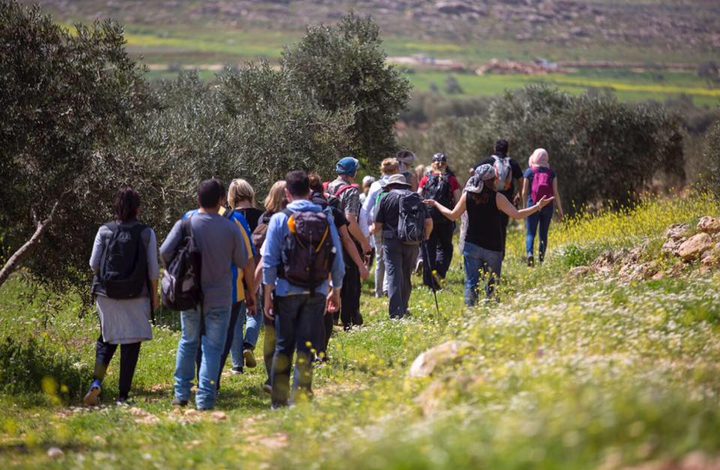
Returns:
<point x="24" y="251"/>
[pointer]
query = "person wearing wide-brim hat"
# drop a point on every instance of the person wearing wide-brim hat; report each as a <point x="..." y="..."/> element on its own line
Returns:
<point x="484" y="240"/>
<point x="399" y="256"/>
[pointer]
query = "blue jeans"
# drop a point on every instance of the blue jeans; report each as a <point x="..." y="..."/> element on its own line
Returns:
<point x="299" y="327"/>
<point x="480" y="260"/>
<point x="215" y="322"/>
<point x="543" y="219"/>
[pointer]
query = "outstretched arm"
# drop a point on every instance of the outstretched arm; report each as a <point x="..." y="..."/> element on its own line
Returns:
<point x="504" y="205"/>
<point x="453" y="214"/>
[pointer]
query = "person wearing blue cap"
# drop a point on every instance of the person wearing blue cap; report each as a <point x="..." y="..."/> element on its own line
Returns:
<point x="348" y="193"/>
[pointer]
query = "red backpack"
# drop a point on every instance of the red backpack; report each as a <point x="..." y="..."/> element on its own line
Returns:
<point x="542" y="184"/>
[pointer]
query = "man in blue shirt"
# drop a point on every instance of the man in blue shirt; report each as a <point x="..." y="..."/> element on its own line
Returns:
<point x="297" y="311"/>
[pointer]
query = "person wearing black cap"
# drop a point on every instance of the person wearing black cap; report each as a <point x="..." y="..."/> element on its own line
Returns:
<point x="507" y="180"/>
<point x="441" y="185"/>
<point x="401" y="252"/>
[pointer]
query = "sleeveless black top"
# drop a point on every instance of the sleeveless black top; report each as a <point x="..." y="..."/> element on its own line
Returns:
<point x="484" y="220"/>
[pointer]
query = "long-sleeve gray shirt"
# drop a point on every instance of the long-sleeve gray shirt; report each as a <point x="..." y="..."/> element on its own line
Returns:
<point x="221" y="244"/>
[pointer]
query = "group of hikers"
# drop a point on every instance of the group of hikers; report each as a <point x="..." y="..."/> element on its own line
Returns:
<point x="295" y="270"/>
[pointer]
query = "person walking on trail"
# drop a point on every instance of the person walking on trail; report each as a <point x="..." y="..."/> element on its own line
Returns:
<point x="484" y="239"/>
<point x="221" y="244"/>
<point x="241" y="198"/>
<point x="124" y="260"/>
<point x="301" y="252"/>
<point x="275" y="202"/>
<point x="243" y="282"/>
<point x="539" y="180"/>
<point x="441" y="185"/>
<point x="317" y="196"/>
<point x="404" y="223"/>
<point x="388" y="167"/>
<point x="348" y="193"/>
<point x="508" y="175"/>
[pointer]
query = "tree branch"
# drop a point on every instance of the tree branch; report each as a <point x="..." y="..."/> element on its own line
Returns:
<point x="19" y="256"/>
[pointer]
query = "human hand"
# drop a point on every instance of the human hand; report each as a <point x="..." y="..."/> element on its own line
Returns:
<point x="269" y="311"/>
<point x="516" y="200"/>
<point x="251" y="305"/>
<point x="333" y="301"/>
<point x="544" y="201"/>
<point x="364" y="273"/>
<point x="430" y="202"/>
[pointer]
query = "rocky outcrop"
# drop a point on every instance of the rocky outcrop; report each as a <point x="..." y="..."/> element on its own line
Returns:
<point x="681" y="243"/>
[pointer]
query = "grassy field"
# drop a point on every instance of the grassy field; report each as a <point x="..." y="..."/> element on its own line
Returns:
<point x="565" y="373"/>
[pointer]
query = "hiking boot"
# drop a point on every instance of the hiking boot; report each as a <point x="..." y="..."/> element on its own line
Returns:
<point x="249" y="357"/>
<point x="238" y="371"/>
<point x="179" y="403"/>
<point x="530" y="261"/>
<point x="92" y="397"/>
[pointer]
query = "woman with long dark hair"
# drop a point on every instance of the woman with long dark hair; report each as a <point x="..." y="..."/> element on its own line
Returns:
<point x="125" y="262"/>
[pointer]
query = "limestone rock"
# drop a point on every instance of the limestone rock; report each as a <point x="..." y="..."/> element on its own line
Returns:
<point x="709" y="225"/>
<point x="55" y="453"/>
<point x="449" y="353"/>
<point x="677" y="232"/>
<point x="694" y="247"/>
<point x="579" y="272"/>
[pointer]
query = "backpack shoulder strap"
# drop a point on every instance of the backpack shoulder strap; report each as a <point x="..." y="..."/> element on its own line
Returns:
<point x="112" y="226"/>
<point x="347" y="187"/>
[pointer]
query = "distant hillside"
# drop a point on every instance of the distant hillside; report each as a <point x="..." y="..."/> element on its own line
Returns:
<point x="661" y="24"/>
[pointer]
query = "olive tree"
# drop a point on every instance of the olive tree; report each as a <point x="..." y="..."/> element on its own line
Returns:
<point x="343" y="67"/>
<point x="63" y="95"/>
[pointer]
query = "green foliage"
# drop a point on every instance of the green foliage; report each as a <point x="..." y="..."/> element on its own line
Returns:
<point x="344" y="67"/>
<point x="62" y="97"/>
<point x="603" y="150"/>
<point x="30" y="366"/>
<point x="710" y="176"/>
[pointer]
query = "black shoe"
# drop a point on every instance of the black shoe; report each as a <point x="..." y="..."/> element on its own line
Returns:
<point x="237" y="371"/>
<point x="541" y="258"/>
<point x="179" y="403"/>
<point x="530" y="261"/>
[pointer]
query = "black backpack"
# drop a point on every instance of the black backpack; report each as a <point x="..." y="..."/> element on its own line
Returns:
<point x="181" y="288"/>
<point x="308" y="250"/>
<point x="123" y="273"/>
<point x="438" y="188"/>
<point x="411" y="218"/>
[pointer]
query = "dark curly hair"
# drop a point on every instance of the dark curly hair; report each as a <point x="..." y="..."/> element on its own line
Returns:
<point x="126" y="204"/>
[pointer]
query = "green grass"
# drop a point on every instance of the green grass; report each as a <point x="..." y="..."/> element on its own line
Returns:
<point x="627" y="86"/>
<point x="566" y="373"/>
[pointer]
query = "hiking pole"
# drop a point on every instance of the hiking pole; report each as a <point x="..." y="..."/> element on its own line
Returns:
<point x="426" y="259"/>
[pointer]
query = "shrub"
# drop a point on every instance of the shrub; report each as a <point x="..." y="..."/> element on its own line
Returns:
<point x="32" y="367"/>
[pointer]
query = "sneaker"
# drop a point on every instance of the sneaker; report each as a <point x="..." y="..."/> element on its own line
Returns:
<point x="92" y="397"/>
<point x="237" y="371"/>
<point x="530" y="261"/>
<point x="541" y="258"/>
<point x="179" y="403"/>
<point x="249" y="357"/>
